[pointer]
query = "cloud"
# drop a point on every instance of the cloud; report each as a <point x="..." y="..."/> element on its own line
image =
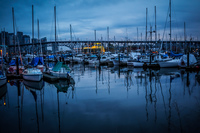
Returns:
<point x="121" y="16"/>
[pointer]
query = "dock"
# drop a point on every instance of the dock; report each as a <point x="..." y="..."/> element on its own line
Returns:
<point x="14" y="76"/>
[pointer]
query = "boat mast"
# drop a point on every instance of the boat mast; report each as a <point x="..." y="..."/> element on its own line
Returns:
<point x="39" y="40"/>
<point x="4" y="43"/>
<point x="95" y="35"/>
<point x="146" y="28"/>
<point x="13" y="16"/>
<point x="33" y="29"/>
<point x="108" y="39"/>
<point x="70" y="32"/>
<point x="170" y="35"/>
<point x="55" y="28"/>
<point x="155" y="26"/>
<point x="2" y="51"/>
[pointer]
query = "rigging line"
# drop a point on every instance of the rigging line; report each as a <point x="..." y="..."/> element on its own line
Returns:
<point x="58" y="29"/>
<point x="148" y="18"/>
<point x="176" y="19"/>
<point x="164" y="29"/>
<point x="17" y="40"/>
<point x="52" y="25"/>
<point x="74" y="34"/>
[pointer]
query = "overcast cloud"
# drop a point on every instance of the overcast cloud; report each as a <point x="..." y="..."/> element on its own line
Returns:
<point x="121" y="16"/>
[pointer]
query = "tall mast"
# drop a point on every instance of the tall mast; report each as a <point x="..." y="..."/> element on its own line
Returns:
<point x="55" y="28"/>
<point x="33" y="29"/>
<point x="146" y="28"/>
<point x="95" y="35"/>
<point x="38" y="30"/>
<point x="4" y="43"/>
<point x="39" y="40"/>
<point x="155" y="26"/>
<point x="2" y="50"/>
<point x="170" y="15"/>
<point x="70" y="32"/>
<point x="184" y="32"/>
<point x="108" y="38"/>
<point x="13" y="16"/>
<point x="137" y="33"/>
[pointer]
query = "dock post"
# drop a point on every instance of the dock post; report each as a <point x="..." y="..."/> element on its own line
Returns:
<point x="17" y="65"/>
<point x="188" y="56"/>
<point x="119" y="59"/>
<point x="150" y="59"/>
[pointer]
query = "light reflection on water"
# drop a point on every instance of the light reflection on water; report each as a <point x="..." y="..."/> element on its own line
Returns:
<point x="104" y="100"/>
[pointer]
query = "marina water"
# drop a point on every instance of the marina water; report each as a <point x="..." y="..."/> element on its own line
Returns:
<point x="104" y="99"/>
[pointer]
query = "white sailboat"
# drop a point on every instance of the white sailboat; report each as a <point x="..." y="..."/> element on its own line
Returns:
<point x="60" y="71"/>
<point x="183" y="60"/>
<point x="32" y="74"/>
<point x="168" y="62"/>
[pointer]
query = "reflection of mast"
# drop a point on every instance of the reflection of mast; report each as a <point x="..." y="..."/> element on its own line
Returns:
<point x="155" y="101"/>
<point x="37" y="115"/>
<point x="188" y="83"/>
<point x="108" y="82"/>
<point x="22" y="97"/>
<point x="42" y="102"/>
<point x="146" y="96"/>
<point x="177" y="109"/>
<point x="169" y="117"/>
<point x="96" y="81"/>
<point x="150" y="95"/>
<point x="162" y="97"/>
<point x="137" y="84"/>
<point x="58" y="111"/>
<point x="19" y="120"/>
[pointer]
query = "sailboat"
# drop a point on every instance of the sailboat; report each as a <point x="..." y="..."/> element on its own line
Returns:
<point x="17" y="60"/>
<point x="60" y="70"/>
<point x="169" y="62"/>
<point x="32" y="74"/>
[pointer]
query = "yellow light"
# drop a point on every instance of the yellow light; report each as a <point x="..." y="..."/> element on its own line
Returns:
<point x="4" y="103"/>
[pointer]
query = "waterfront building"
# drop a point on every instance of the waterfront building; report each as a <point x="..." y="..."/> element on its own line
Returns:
<point x="11" y="38"/>
<point x="4" y="35"/>
<point x="44" y="46"/>
<point x="26" y="39"/>
<point x="34" y="40"/>
<point x="19" y="37"/>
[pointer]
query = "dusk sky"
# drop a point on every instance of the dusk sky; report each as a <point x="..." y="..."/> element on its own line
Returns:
<point x="121" y="16"/>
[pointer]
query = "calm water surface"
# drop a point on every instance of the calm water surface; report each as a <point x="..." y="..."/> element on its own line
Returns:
<point x="104" y="100"/>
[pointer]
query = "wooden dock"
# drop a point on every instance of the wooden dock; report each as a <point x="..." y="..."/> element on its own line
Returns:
<point x="14" y="76"/>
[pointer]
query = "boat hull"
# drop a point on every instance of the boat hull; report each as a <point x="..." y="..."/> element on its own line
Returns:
<point x="59" y="74"/>
<point x="3" y="80"/>
<point x="3" y="90"/>
<point x="140" y="64"/>
<point x="32" y="77"/>
<point x="168" y="64"/>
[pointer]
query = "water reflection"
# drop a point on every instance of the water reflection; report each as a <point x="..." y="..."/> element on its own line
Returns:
<point x="103" y="99"/>
<point x="3" y="91"/>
